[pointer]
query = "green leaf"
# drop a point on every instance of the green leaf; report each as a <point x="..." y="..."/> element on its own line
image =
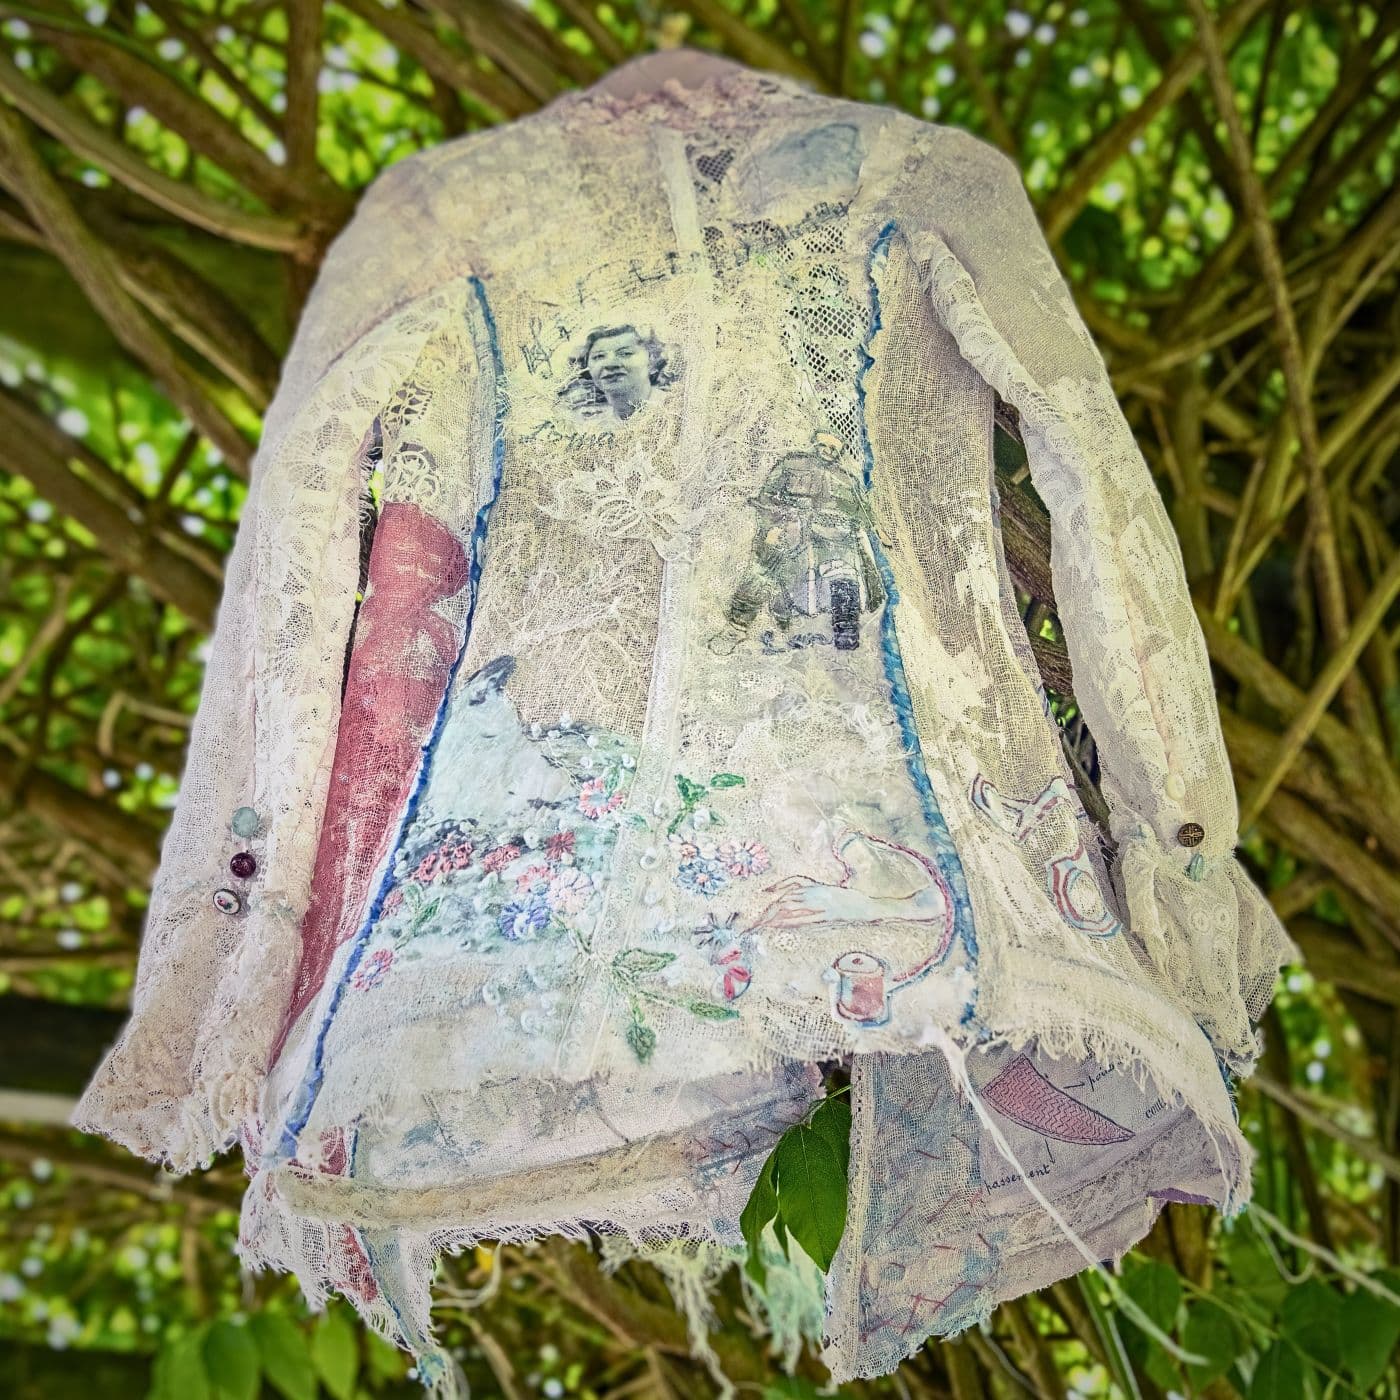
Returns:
<point x="1311" y="1318"/>
<point x="1156" y="1288"/>
<point x="726" y="780"/>
<point x="811" y="1192"/>
<point x="336" y="1353"/>
<point x="286" y="1355"/>
<point x="179" y="1372"/>
<point x="691" y="792"/>
<point x="762" y="1207"/>
<point x="712" y="1011"/>
<point x="386" y="1363"/>
<point x="791" y="1388"/>
<point x="1259" y="1285"/>
<point x="1210" y="1333"/>
<point x="832" y="1120"/>
<point x="642" y="962"/>
<point x="1368" y="1330"/>
<point x="1279" y="1375"/>
<point x="641" y="1038"/>
<point x="231" y="1359"/>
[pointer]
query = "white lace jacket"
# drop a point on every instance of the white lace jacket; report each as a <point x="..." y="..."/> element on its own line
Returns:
<point x="688" y="735"/>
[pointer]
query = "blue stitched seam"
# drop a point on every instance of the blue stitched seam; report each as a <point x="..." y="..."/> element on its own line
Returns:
<point x="311" y="1086"/>
<point x="946" y="850"/>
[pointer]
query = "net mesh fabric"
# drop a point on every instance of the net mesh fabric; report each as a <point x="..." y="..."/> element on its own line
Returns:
<point x="687" y="735"/>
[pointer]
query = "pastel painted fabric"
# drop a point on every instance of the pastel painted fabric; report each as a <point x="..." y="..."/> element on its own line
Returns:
<point x="621" y="700"/>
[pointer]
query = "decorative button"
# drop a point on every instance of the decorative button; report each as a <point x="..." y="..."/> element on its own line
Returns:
<point x="1191" y="834"/>
<point x="227" y="902"/>
<point x="1176" y="786"/>
<point x="245" y="822"/>
<point x="243" y="865"/>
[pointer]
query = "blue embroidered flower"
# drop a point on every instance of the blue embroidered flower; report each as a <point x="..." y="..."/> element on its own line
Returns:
<point x="524" y="918"/>
<point x="704" y="875"/>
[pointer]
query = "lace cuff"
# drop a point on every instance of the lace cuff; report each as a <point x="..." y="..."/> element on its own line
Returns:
<point x="1211" y="935"/>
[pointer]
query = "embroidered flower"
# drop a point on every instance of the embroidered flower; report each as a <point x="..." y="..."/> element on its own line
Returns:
<point x="457" y="855"/>
<point x="686" y="850"/>
<point x="534" y="880"/>
<point x="569" y="890"/>
<point x="497" y="859"/>
<point x="393" y="899"/>
<point x="743" y="857"/>
<point x="735" y="973"/>
<point x="559" y="845"/>
<point x="371" y="973"/>
<point x="705" y="876"/>
<point x="523" y="918"/>
<point x="427" y="868"/>
<point x="594" y="799"/>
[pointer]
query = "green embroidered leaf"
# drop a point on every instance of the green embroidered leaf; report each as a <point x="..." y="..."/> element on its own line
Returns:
<point x="711" y="1011"/>
<point x="832" y="1120"/>
<point x="286" y="1355"/>
<point x="642" y="962"/>
<point x="635" y="819"/>
<point x="726" y="780"/>
<point x="691" y="791"/>
<point x="761" y="1208"/>
<point x="811" y="1192"/>
<point x="641" y="1038"/>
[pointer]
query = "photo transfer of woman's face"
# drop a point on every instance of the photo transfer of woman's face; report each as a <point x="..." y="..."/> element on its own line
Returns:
<point x="615" y="372"/>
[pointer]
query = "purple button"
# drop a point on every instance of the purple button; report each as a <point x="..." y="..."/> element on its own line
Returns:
<point x="243" y="865"/>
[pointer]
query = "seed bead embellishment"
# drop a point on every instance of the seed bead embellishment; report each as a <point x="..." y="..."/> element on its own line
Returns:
<point x="226" y="902"/>
<point x="245" y="822"/>
<point x="243" y="865"/>
<point x="1191" y="834"/>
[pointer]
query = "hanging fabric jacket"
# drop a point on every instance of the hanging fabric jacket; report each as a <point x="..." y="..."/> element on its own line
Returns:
<point x="620" y="706"/>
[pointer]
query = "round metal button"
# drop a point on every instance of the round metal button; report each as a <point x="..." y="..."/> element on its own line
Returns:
<point x="243" y="865"/>
<point x="1191" y="834"/>
<point x="227" y="902"/>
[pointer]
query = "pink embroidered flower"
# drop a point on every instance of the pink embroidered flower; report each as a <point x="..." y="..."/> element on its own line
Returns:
<point x="594" y="800"/>
<point x="371" y="973"/>
<point x="559" y="845"/>
<point x="734" y="971"/>
<point x="536" y="877"/>
<point x="393" y="899"/>
<point x="500" y="858"/>
<point x="686" y="851"/>
<point x="569" y="890"/>
<point x="458" y="855"/>
<point x="744" y="857"/>
<point x="427" y="868"/>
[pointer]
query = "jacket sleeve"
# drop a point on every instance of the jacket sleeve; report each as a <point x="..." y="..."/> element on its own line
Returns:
<point x="211" y="985"/>
<point x="1141" y="671"/>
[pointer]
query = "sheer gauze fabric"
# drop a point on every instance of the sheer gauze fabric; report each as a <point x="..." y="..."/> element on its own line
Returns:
<point x="622" y="696"/>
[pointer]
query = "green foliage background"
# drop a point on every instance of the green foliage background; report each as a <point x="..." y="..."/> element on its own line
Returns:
<point x="1219" y="184"/>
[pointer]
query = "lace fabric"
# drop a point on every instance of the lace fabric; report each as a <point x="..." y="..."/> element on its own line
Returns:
<point x="620" y="690"/>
